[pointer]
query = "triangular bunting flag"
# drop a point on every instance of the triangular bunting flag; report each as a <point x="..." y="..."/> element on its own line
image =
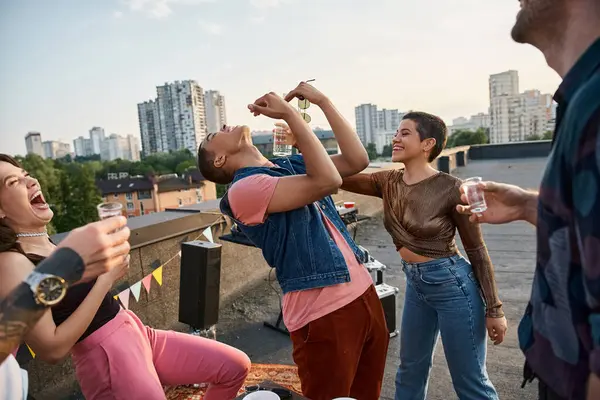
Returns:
<point x="116" y="297"/>
<point x="124" y="297"/>
<point x="31" y="351"/>
<point x="147" y="281"/>
<point x="157" y="274"/>
<point x="208" y="234"/>
<point x="136" y="288"/>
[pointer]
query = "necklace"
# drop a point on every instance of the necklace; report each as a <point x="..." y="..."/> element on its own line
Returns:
<point x="36" y="234"/>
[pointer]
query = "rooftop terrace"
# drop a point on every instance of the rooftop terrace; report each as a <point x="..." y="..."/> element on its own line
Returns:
<point x="248" y="297"/>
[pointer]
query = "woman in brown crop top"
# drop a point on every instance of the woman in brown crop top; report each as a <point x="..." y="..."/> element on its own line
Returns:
<point x="443" y="291"/>
<point x="114" y="354"/>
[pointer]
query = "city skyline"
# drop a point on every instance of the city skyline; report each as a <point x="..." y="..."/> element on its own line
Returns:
<point x="92" y="63"/>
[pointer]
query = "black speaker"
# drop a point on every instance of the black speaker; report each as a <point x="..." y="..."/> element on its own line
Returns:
<point x="387" y="295"/>
<point x="199" y="284"/>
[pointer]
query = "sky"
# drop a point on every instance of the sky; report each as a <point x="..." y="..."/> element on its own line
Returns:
<point x="69" y="65"/>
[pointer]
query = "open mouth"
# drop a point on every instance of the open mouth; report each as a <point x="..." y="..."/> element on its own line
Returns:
<point x="37" y="201"/>
<point x="397" y="148"/>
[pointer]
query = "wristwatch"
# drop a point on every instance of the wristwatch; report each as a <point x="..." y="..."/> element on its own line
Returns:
<point x="47" y="289"/>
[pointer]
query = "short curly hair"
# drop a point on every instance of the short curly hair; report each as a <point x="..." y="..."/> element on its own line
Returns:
<point x="206" y="159"/>
<point x="430" y="126"/>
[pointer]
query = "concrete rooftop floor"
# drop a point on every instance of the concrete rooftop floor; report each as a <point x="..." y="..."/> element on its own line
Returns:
<point x="512" y="249"/>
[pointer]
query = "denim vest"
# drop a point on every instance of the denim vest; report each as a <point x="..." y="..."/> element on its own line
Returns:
<point x="296" y="243"/>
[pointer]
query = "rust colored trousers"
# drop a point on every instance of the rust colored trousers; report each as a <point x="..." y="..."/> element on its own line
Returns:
<point x="343" y="353"/>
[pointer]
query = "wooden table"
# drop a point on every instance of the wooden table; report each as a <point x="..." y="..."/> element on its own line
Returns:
<point x="269" y="385"/>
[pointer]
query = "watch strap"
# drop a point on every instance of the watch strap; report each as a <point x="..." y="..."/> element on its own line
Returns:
<point x="63" y="262"/>
<point x="34" y="279"/>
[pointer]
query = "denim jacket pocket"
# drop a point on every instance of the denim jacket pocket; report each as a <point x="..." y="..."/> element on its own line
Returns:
<point x="438" y="276"/>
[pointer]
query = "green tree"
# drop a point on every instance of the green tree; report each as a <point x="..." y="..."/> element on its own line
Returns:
<point x="80" y="196"/>
<point x="533" y="137"/>
<point x="387" y="151"/>
<point x="467" y="138"/>
<point x="371" y="151"/>
<point x="184" y="166"/>
<point x="49" y="178"/>
<point x="548" y="135"/>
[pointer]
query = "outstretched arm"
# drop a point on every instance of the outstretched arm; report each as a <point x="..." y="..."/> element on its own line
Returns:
<point x="371" y="184"/>
<point x="361" y="184"/>
<point x="353" y="157"/>
<point x="321" y="178"/>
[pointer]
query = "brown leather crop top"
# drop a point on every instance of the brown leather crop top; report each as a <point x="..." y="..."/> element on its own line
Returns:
<point x="422" y="217"/>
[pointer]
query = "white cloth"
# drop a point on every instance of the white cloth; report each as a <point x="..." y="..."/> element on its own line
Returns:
<point x="13" y="380"/>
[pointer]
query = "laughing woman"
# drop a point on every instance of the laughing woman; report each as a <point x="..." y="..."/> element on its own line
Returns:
<point x="115" y="355"/>
<point x="443" y="290"/>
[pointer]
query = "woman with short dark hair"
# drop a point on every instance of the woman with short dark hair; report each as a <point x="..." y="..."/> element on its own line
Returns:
<point x="443" y="290"/>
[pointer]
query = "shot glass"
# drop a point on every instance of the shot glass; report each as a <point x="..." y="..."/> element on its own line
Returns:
<point x="475" y="195"/>
<point x="281" y="143"/>
<point x="109" y="210"/>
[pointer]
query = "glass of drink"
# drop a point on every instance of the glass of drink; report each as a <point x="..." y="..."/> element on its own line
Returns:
<point x="474" y="193"/>
<point x="108" y="210"/>
<point x="282" y="146"/>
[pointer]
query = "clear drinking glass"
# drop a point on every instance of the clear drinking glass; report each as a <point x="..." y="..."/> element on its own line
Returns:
<point x="281" y="143"/>
<point x="474" y="193"/>
<point x="108" y="210"/>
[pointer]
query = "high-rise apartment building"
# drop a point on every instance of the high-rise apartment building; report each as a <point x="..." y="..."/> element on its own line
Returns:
<point x="118" y="147"/>
<point x="83" y="147"/>
<point x="504" y="84"/>
<point x="55" y="149"/>
<point x="152" y="140"/>
<point x="216" y="117"/>
<point x="97" y="135"/>
<point x="475" y="122"/>
<point x="33" y="143"/>
<point x="133" y="148"/>
<point x="366" y="122"/>
<point x="376" y="126"/>
<point x="181" y="113"/>
<point x="516" y="116"/>
<point x="388" y="120"/>
<point x="181" y="117"/>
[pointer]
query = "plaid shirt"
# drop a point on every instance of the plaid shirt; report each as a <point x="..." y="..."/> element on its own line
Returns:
<point x="560" y="332"/>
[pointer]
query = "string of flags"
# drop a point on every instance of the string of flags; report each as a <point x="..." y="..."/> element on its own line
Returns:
<point x="136" y="289"/>
<point x="146" y="282"/>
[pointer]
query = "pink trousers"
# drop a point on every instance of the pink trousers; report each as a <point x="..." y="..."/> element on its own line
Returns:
<point x="127" y="360"/>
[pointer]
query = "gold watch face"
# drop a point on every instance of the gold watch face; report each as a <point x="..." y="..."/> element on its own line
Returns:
<point x="51" y="290"/>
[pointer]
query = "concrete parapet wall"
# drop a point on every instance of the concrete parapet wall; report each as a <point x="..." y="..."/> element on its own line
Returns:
<point x="532" y="149"/>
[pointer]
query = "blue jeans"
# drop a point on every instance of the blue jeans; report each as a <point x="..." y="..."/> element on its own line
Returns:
<point x="443" y="296"/>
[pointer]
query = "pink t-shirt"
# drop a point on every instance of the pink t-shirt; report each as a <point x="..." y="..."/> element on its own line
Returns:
<point x="249" y="199"/>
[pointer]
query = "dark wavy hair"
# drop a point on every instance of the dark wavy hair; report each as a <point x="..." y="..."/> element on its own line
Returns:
<point x="8" y="237"/>
<point x="430" y="126"/>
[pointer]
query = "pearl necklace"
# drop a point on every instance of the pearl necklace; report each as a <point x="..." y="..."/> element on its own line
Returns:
<point x="36" y="234"/>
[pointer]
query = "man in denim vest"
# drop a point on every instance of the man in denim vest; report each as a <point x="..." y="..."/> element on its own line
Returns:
<point x="330" y="305"/>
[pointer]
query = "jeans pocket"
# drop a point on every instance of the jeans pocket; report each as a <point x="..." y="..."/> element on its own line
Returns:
<point x="473" y="279"/>
<point x="438" y="276"/>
